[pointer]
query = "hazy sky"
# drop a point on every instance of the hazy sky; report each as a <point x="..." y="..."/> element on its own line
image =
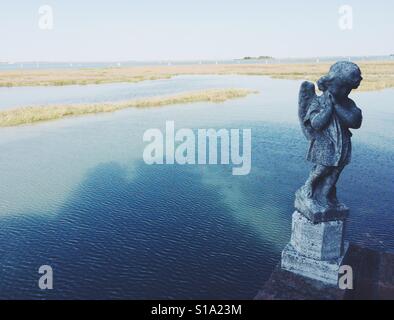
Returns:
<point x="120" y="30"/>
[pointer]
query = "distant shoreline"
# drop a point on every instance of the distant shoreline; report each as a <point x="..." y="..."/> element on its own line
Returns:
<point x="42" y="64"/>
<point x="378" y="75"/>
<point x="29" y="115"/>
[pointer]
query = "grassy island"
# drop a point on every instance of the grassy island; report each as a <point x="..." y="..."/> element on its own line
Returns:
<point x="27" y="115"/>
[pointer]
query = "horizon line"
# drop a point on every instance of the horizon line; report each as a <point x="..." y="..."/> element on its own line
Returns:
<point x="201" y="60"/>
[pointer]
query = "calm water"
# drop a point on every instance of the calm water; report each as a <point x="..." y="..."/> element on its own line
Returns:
<point x="76" y="195"/>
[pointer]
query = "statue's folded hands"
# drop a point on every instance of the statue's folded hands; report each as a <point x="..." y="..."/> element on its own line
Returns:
<point x="349" y="114"/>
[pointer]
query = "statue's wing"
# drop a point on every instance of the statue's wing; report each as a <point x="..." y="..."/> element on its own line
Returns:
<point x="306" y="97"/>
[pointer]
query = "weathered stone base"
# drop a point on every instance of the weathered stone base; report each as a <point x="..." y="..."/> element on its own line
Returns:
<point x="321" y="241"/>
<point x="316" y="250"/>
<point x="325" y="271"/>
<point x="373" y="280"/>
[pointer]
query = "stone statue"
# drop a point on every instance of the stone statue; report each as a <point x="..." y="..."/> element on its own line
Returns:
<point x="325" y="121"/>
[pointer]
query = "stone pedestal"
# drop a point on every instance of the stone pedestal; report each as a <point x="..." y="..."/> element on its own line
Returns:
<point x="316" y="250"/>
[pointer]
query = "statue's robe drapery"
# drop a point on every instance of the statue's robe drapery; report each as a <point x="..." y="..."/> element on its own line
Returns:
<point x="330" y="146"/>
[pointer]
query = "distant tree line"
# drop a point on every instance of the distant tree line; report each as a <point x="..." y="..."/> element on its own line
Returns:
<point x="258" y="58"/>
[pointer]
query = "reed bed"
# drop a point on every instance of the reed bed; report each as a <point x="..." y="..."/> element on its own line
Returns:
<point x="28" y="115"/>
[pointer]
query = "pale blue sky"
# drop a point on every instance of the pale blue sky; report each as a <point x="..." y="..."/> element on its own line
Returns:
<point x="119" y="30"/>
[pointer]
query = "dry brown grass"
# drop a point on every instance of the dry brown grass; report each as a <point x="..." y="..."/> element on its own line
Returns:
<point x="29" y="115"/>
<point x="377" y="75"/>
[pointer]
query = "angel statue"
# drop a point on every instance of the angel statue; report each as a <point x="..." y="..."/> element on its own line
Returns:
<point x="325" y="121"/>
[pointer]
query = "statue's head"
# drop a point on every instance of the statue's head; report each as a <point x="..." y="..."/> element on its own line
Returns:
<point x="343" y="77"/>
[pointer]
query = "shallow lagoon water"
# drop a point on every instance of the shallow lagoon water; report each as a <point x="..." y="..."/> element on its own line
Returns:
<point x="15" y="97"/>
<point x="75" y="194"/>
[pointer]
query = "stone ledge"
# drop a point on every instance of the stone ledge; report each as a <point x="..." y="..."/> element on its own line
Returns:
<point x="373" y="280"/>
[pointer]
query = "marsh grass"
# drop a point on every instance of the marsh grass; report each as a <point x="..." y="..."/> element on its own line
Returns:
<point x="27" y="115"/>
<point x="377" y="74"/>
